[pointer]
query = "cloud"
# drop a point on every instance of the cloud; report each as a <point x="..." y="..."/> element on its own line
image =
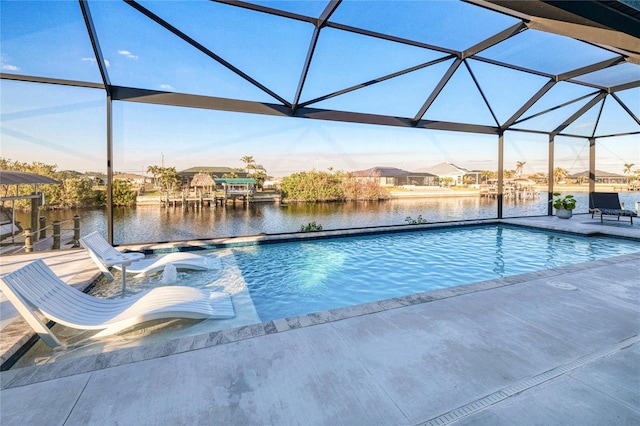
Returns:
<point x="92" y="60"/>
<point x="5" y="66"/>
<point x="127" y="54"/>
<point x="166" y="87"/>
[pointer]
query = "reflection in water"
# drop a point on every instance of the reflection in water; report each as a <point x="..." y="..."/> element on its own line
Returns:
<point x="156" y="224"/>
<point x="498" y="260"/>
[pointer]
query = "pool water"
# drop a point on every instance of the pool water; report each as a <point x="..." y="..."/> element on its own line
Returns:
<point x="292" y="279"/>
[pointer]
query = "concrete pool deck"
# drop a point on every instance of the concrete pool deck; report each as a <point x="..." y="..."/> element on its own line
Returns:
<point x="550" y="347"/>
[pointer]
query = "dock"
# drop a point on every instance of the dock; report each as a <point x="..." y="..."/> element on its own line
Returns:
<point x="198" y="201"/>
<point x="511" y="193"/>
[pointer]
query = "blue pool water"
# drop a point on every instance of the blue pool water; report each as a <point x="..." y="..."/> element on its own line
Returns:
<point x="297" y="278"/>
<point x="290" y="279"/>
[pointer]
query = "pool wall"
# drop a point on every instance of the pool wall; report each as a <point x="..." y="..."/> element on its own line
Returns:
<point x="227" y="242"/>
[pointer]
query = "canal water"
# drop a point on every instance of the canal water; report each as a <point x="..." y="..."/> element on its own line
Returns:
<point x="156" y="224"/>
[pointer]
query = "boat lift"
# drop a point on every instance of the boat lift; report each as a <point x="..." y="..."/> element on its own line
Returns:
<point x="10" y="177"/>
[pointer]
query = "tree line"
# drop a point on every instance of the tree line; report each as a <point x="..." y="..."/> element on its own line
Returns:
<point x="81" y="191"/>
<point x="559" y="174"/>
<point x="318" y="186"/>
<point x="74" y="191"/>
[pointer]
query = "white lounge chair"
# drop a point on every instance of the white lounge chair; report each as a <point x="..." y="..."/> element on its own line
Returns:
<point x="36" y="288"/>
<point x="105" y="255"/>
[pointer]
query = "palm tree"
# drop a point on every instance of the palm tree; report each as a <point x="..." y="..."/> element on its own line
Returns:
<point x="627" y="170"/>
<point x="248" y="162"/>
<point x="446" y="181"/>
<point x="487" y="174"/>
<point x="559" y="174"/>
<point x="539" y="177"/>
<point x="155" y="172"/>
<point x="168" y="178"/>
<point x="519" y="167"/>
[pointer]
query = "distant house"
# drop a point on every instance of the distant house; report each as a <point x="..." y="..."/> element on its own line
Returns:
<point x="384" y="176"/>
<point x="97" y="178"/>
<point x="271" y="183"/>
<point x="448" y="170"/>
<point x="392" y="176"/>
<point x="215" y="172"/>
<point x="136" y="179"/>
<point x="418" y="179"/>
<point x="601" y="177"/>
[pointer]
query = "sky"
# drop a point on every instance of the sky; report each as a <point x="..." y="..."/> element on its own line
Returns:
<point x="66" y="126"/>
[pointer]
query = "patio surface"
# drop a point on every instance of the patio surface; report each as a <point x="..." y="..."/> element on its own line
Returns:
<point x="550" y="347"/>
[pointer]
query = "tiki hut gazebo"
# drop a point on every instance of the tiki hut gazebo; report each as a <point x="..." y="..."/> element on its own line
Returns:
<point x="203" y="184"/>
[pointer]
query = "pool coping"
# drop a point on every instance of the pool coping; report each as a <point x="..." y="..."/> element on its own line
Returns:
<point x="64" y="368"/>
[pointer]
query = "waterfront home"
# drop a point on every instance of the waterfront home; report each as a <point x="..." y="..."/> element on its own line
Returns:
<point x="448" y="170"/>
<point x="384" y="176"/>
<point x="601" y="177"/>
<point x="133" y="178"/>
<point x="392" y="176"/>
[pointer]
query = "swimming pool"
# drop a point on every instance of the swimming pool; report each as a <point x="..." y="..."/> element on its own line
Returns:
<point x="295" y="278"/>
<point x="279" y="286"/>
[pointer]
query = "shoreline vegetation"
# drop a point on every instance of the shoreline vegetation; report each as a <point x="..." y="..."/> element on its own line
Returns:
<point x="406" y="193"/>
<point x="168" y="188"/>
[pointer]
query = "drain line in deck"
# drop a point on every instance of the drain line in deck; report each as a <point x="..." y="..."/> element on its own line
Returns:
<point x="526" y="384"/>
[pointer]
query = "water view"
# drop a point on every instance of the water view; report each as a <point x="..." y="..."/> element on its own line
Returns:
<point x="155" y="223"/>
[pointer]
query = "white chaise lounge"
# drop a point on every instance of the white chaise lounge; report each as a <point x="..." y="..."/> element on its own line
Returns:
<point x="105" y="255"/>
<point x="35" y="289"/>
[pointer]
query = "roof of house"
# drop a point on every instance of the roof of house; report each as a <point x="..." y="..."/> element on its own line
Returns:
<point x="599" y="174"/>
<point x="216" y="170"/>
<point x="421" y="174"/>
<point x="381" y="172"/>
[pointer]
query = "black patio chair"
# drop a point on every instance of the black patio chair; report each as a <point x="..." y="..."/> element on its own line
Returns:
<point x="608" y="204"/>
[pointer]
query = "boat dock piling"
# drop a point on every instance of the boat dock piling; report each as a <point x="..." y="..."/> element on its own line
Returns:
<point x="198" y="202"/>
<point x="37" y="239"/>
